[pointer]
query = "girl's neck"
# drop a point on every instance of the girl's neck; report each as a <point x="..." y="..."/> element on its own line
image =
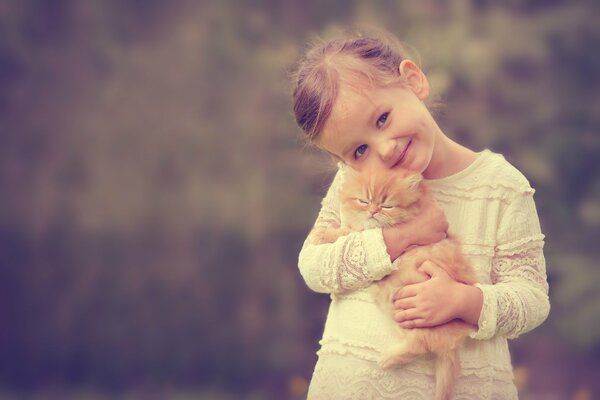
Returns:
<point x="448" y="158"/>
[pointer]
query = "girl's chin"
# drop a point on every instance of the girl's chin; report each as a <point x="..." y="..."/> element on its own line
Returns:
<point x="415" y="164"/>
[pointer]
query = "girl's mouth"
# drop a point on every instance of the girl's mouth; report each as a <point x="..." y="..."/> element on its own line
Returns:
<point x="403" y="154"/>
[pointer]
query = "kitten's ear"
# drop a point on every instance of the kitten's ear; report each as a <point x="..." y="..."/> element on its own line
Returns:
<point x="414" y="180"/>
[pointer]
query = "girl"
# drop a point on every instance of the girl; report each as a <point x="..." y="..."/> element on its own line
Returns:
<point x="361" y="100"/>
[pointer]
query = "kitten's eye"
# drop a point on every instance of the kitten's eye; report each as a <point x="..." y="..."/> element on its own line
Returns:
<point x="382" y="119"/>
<point x="363" y="202"/>
<point x="386" y="206"/>
<point x="360" y="150"/>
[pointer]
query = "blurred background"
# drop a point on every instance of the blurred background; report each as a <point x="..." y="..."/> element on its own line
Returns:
<point x="155" y="190"/>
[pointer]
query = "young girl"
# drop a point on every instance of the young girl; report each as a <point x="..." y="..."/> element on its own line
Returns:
<point x="361" y="100"/>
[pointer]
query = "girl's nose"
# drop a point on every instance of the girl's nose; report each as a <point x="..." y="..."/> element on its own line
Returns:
<point x="387" y="149"/>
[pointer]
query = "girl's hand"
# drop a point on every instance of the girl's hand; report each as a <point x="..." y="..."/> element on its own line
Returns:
<point x="429" y="226"/>
<point x="429" y="303"/>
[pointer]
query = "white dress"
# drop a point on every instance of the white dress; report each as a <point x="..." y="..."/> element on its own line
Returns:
<point x="489" y="206"/>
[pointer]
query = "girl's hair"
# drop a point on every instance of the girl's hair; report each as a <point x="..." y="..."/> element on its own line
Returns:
<point x="353" y="61"/>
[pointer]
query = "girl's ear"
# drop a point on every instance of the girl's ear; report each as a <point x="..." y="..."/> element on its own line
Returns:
<point x="415" y="78"/>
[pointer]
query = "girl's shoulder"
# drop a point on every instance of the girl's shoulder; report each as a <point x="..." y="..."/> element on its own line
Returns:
<point x="489" y="176"/>
<point x="498" y="172"/>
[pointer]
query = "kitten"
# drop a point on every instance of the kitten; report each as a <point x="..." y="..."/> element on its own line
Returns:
<point x="371" y="200"/>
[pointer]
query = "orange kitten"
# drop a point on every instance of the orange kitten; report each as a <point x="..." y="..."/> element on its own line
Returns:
<point x="370" y="200"/>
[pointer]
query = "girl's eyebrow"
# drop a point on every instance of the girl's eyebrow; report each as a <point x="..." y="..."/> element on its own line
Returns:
<point x="374" y="115"/>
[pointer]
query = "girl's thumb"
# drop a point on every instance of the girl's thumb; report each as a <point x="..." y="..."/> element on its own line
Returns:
<point x="428" y="267"/>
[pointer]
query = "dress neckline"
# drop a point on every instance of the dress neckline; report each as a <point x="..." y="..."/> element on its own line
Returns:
<point x="481" y="157"/>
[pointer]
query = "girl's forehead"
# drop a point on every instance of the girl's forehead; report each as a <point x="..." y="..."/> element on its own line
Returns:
<point x="350" y="109"/>
<point x="352" y="100"/>
<point x="349" y="117"/>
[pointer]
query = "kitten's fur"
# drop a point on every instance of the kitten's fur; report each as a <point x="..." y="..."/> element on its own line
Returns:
<point x="370" y="200"/>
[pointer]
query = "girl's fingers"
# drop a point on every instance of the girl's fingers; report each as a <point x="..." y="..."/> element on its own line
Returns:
<point x="413" y="323"/>
<point x="405" y="303"/>
<point x="406" y="315"/>
<point x="406" y="291"/>
<point x="428" y="267"/>
<point x="432" y="269"/>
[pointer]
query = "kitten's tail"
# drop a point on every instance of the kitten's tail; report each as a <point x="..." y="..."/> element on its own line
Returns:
<point x="447" y="365"/>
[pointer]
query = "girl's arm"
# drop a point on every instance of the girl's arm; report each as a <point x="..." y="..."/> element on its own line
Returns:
<point x="351" y="262"/>
<point x="517" y="300"/>
<point x="356" y="260"/>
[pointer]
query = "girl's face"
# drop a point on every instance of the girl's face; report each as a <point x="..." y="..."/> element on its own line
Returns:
<point x="378" y="128"/>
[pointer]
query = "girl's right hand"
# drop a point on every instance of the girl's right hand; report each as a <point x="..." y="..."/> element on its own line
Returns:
<point x="429" y="226"/>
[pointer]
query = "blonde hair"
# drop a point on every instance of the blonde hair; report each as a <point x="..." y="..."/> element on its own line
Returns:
<point x="356" y="60"/>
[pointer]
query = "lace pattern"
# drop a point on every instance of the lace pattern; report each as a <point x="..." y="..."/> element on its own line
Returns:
<point x="517" y="300"/>
<point x="352" y="258"/>
<point x="522" y="292"/>
<point x="345" y="378"/>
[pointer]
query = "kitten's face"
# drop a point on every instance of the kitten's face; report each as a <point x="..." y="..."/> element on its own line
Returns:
<point x="371" y="199"/>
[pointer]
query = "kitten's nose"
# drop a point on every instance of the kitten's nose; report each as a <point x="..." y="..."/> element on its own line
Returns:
<point x="373" y="210"/>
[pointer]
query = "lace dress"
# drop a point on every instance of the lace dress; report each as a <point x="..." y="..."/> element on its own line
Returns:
<point x="490" y="207"/>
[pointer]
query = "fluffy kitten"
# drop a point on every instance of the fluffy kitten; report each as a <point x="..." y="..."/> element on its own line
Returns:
<point x="370" y="200"/>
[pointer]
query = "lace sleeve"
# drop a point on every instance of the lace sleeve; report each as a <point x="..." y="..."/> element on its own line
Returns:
<point x="517" y="300"/>
<point x="351" y="262"/>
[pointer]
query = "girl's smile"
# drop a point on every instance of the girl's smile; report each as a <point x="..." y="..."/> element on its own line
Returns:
<point x="403" y="155"/>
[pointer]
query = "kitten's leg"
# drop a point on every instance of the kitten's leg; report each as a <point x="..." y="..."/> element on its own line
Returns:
<point x="448" y="255"/>
<point x="444" y="341"/>
<point x="448" y="336"/>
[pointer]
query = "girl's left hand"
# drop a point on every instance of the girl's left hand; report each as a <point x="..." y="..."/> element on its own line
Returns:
<point x="429" y="303"/>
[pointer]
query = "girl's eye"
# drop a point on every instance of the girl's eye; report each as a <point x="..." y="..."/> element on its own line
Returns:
<point x="382" y="119"/>
<point x="364" y="202"/>
<point x="360" y="150"/>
